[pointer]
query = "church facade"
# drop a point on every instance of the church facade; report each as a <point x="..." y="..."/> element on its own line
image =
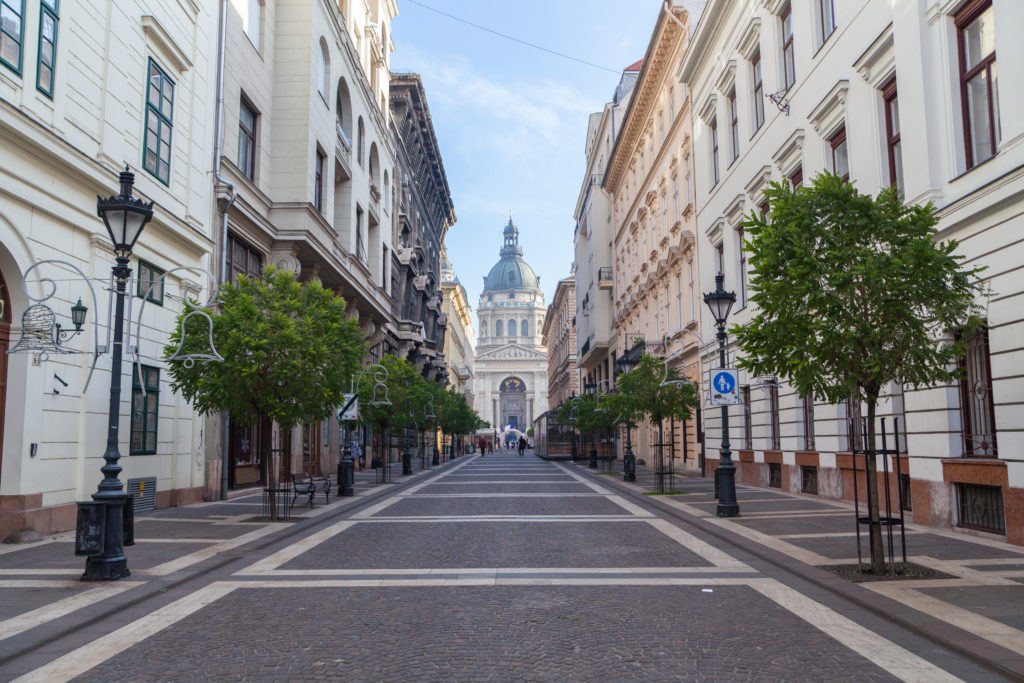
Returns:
<point x="510" y="378"/>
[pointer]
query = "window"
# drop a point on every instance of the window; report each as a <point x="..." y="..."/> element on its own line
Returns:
<point x="156" y="154"/>
<point x="247" y="140"/>
<point x="47" y="46"/>
<point x="743" y="267"/>
<point x="499" y="329"/>
<point x="755" y="67"/>
<point x="672" y="103"/>
<point x="775" y="475"/>
<point x="748" y="421"/>
<point x="360" y="140"/>
<point x="524" y="329"/>
<point x="981" y="508"/>
<point x="693" y="300"/>
<point x="977" y="409"/>
<point x="679" y="299"/>
<point x="854" y="425"/>
<point x="689" y="185"/>
<point x="318" y="182"/>
<point x="978" y="80"/>
<point x="809" y="479"/>
<point x="242" y="260"/>
<point x="788" y="64"/>
<point x="827" y="16"/>
<point x="675" y="199"/>
<point x="807" y="403"/>
<point x="511" y="328"/>
<point x="360" y="251"/>
<point x="840" y="158"/>
<point x="150" y="285"/>
<point x="251" y="22"/>
<point x="714" y="152"/>
<point x="796" y="178"/>
<point x="12" y="33"/>
<point x="664" y="216"/>
<point x="145" y="410"/>
<point x="734" y="128"/>
<point x="774" y="439"/>
<point x="323" y="69"/>
<point x="892" y="135"/>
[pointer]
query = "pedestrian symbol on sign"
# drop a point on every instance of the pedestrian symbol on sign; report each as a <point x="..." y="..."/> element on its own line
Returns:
<point x="723" y="387"/>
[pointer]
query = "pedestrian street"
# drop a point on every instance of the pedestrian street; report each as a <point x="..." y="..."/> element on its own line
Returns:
<point x="502" y="567"/>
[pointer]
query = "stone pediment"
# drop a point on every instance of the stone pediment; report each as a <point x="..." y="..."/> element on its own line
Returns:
<point x="511" y="352"/>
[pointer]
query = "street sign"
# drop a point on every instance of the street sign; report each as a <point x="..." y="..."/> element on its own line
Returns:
<point x="723" y="387"/>
<point x="350" y="409"/>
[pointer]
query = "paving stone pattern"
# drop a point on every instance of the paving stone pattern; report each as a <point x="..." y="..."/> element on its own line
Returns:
<point x="477" y="633"/>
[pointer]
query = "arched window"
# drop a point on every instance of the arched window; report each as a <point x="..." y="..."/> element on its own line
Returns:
<point x="323" y="68"/>
<point x="511" y="328"/>
<point x="386" y="191"/>
<point x="497" y="329"/>
<point x="374" y="166"/>
<point x="360" y="140"/>
<point x="525" y="330"/>
<point x="483" y="330"/>
<point x="343" y="113"/>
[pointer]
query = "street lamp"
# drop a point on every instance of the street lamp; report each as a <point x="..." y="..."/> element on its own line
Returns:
<point x="720" y="302"/>
<point x="573" y="404"/>
<point x="590" y="386"/>
<point x="125" y="216"/>
<point x="624" y="365"/>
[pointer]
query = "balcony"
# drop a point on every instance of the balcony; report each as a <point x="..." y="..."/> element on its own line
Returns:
<point x="343" y="154"/>
<point x="604" y="278"/>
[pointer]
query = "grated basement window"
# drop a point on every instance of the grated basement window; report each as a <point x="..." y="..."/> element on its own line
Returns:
<point x="809" y="479"/>
<point x="980" y="507"/>
<point x="905" y="501"/>
<point x="775" y="475"/>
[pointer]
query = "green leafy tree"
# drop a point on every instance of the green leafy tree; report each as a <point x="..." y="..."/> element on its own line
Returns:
<point x="405" y="393"/>
<point x="289" y="350"/>
<point x="853" y="293"/>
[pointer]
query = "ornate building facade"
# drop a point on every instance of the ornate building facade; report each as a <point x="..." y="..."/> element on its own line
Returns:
<point x="560" y="339"/>
<point x="424" y="214"/>
<point x="650" y="175"/>
<point x="511" y="360"/>
<point x="459" y="338"/>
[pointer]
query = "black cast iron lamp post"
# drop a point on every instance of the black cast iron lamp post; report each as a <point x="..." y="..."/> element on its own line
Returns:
<point x="625" y="364"/>
<point x="720" y="302"/>
<point x="591" y="388"/>
<point x="125" y="216"/>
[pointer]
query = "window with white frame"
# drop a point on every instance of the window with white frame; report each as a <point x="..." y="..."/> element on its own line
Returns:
<point x="826" y="11"/>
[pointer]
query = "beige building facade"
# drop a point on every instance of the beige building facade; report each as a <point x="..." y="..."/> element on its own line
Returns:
<point x="655" y="267"/>
<point x="84" y="93"/>
<point x="559" y="335"/>
<point x="460" y="338"/>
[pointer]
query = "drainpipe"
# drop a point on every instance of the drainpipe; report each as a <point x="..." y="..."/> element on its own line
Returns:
<point x="219" y="180"/>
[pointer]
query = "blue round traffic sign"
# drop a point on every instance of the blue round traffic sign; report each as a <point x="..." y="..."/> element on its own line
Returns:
<point x="724" y="383"/>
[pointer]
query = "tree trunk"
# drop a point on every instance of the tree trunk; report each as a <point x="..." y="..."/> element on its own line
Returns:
<point x="871" y="471"/>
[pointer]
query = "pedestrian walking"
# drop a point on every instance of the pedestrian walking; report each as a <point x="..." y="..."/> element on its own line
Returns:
<point x="490" y="447"/>
<point x="522" y="446"/>
<point x="483" y="446"/>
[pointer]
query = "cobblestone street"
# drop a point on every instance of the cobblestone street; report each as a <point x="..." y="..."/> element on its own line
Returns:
<point x="493" y="568"/>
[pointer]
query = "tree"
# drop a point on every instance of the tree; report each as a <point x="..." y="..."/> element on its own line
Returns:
<point x="289" y="351"/>
<point x="455" y="417"/>
<point x="406" y="394"/>
<point x="853" y="293"/>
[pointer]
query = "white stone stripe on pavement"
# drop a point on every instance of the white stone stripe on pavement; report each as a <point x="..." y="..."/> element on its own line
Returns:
<point x="579" y="571"/>
<point x="695" y="545"/>
<point x="55" y="610"/>
<point x="210" y="551"/>
<point x="275" y="560"/>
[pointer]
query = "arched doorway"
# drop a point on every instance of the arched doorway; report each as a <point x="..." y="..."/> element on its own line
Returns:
<point x="512" y="405"/>
<point x="5" y="341"/>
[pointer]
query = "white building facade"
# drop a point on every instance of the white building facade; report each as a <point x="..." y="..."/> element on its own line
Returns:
<point x="842" y="77"/>
<point x="85" y="92"/>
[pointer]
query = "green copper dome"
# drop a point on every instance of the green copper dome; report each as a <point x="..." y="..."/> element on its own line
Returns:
<point x="511" y="271"/>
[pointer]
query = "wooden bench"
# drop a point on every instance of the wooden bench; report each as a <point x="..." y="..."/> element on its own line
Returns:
<point x="306" y="485"/>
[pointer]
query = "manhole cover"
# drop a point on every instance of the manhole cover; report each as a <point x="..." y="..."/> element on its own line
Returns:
<point x="913" y="572"/>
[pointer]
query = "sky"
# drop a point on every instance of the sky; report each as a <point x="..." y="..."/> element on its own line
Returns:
<point x="511" y="120"/>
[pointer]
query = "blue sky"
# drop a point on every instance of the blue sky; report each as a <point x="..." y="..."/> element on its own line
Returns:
<point x="511" y="121"/>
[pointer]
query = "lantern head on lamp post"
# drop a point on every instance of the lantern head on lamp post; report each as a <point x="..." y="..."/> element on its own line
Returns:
<point x="125" y="217"/>
<point x="720" y="302"/>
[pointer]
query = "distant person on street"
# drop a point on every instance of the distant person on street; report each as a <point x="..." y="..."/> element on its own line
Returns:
<point x="483" y="446"/>
<point x="522" y="446"/>
<point x="490" y="446"/>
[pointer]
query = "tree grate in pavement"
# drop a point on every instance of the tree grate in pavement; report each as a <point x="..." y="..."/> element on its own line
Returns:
<point x="913" y="572"/>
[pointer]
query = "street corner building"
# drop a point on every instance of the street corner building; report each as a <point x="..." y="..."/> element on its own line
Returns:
<point x="85" y="93"/>
<point x="511" y="374"/>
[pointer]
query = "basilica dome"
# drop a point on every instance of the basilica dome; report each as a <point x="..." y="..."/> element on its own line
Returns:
<point x="511" y="271"/>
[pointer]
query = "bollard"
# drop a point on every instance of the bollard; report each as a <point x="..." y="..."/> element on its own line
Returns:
<point x="346" y="473"/>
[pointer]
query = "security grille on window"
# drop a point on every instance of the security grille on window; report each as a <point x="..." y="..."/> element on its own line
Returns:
<point x="775" y="438"/>
<point x="854" y="425"/>
<point x="156" y="155"/>
<point x="978" y="80"/>
<point x="150" y="285"/>
<point x="145" y="410"/>
<point x="977" y="408"/>
<point x="807" y="403"/>
<point x="748" y="420"/>
<point x="981" y="507"/>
